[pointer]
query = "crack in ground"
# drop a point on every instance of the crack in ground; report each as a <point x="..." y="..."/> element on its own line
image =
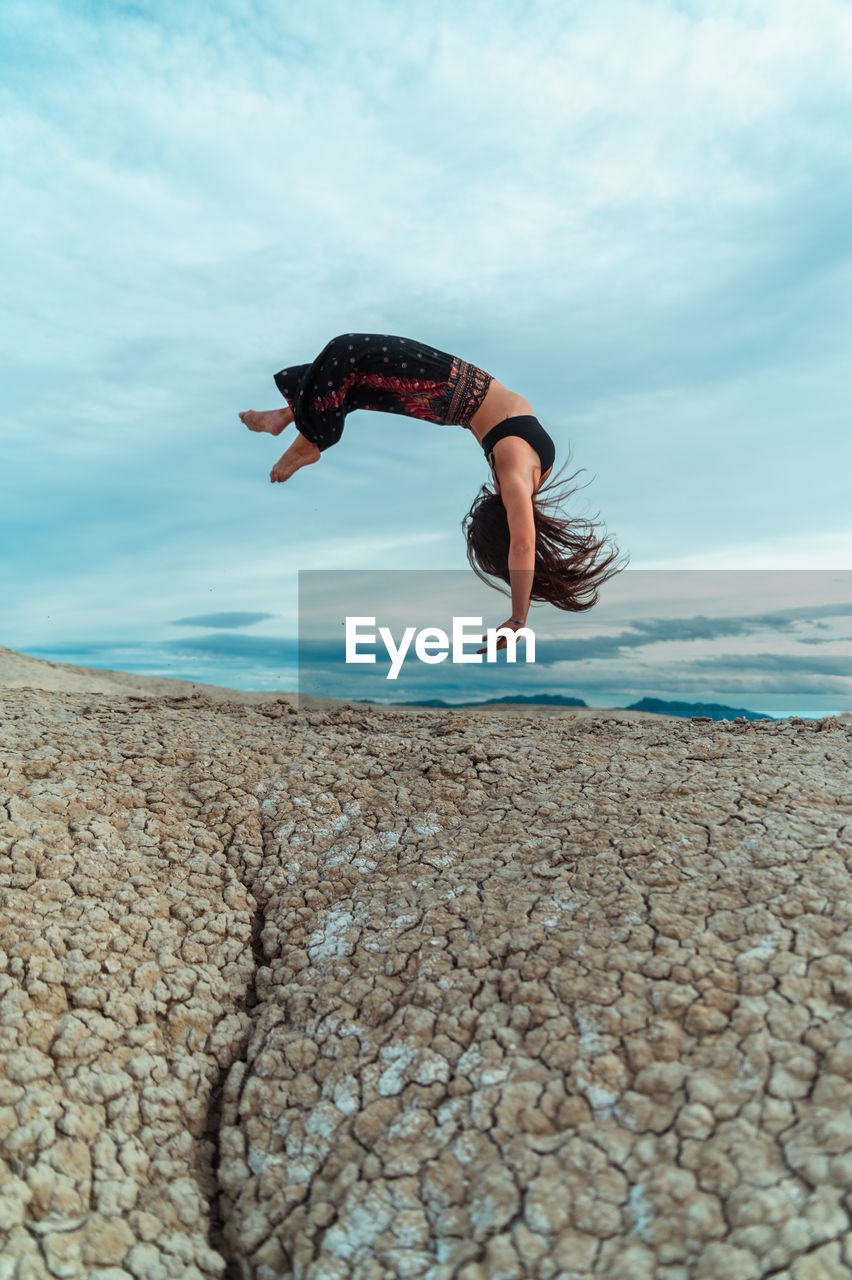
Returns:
<point x="209" y="1178"/>
<point x="222" y="1209"/>
<point x="208" y="1167"/>
<point x="785" y="1266"/>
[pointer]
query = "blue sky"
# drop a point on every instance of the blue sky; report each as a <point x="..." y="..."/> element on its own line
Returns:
<point x="634" y="213"/>
<point x="771" y="641"/>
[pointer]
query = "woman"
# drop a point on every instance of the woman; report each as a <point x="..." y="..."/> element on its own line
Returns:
<point x="510" y="533"/>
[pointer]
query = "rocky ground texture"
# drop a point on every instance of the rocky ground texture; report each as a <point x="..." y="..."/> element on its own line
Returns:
<point x="357" y="994"/>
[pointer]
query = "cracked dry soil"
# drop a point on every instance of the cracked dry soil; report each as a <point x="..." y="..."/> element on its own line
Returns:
<point x="366" y="995"/>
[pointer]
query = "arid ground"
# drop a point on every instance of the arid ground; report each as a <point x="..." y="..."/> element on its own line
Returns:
<point x="349" y="994"/>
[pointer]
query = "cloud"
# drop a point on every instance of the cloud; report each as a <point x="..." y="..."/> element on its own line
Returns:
<point x="646" y="633"/>
<point x="633" y="214"/>
<point x="256" y="649"/>
<point x="795" y="664"/>
<point x="701" y="627"/>
<point x="222" y="620"/>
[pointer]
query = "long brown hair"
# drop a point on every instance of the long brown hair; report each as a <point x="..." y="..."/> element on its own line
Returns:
<point x="572" y="560"/>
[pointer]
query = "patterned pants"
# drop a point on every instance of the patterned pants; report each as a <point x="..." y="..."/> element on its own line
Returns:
<point x="381" y="372"/>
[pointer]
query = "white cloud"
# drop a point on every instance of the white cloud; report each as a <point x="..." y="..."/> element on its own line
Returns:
<point x="634" y="212"/>
<point x="818" y="551"/>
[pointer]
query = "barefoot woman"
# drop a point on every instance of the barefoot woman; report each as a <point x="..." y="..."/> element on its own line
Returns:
<point x="510" y="533"/>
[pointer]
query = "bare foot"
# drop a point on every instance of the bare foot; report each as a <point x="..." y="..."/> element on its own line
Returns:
<point x="272" y="420"/>
<point x="301" y="453"/>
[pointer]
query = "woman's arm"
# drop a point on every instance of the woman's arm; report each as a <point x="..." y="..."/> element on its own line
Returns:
<point x="517" y="499"/>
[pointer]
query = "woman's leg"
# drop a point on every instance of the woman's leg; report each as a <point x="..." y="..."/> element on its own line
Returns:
<point x="353" y="371"/>
<point x="272" y="420"/>
<point x="325" y="392"/>
<point x="301" y="453"/>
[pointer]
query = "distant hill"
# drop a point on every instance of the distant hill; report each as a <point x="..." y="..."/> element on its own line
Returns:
<point x="650" y="706"/>
<point x="715" y="710"/>
<point x="532" y="700"/>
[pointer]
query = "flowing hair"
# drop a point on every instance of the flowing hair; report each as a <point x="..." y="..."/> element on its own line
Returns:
<point x="572" y="560"/>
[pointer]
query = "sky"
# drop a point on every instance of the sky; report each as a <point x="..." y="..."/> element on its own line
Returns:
<point x="767" y="641"/>
<point x="633" y="213"/>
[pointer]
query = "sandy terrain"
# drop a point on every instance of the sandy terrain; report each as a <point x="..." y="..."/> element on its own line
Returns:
<point x="20" y="671"/>
<point x="360" y="995"/>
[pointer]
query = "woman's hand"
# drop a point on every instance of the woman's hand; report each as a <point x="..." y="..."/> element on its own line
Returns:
<point x="512" y="624"/>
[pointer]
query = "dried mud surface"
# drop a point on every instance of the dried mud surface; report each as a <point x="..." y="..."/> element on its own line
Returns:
<point x="353" y="994"/>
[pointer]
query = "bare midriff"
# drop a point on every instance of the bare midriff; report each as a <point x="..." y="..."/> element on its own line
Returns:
<point x="499" y="403"/>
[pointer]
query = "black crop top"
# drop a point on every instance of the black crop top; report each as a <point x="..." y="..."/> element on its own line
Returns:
<point x="527" y="428"/>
